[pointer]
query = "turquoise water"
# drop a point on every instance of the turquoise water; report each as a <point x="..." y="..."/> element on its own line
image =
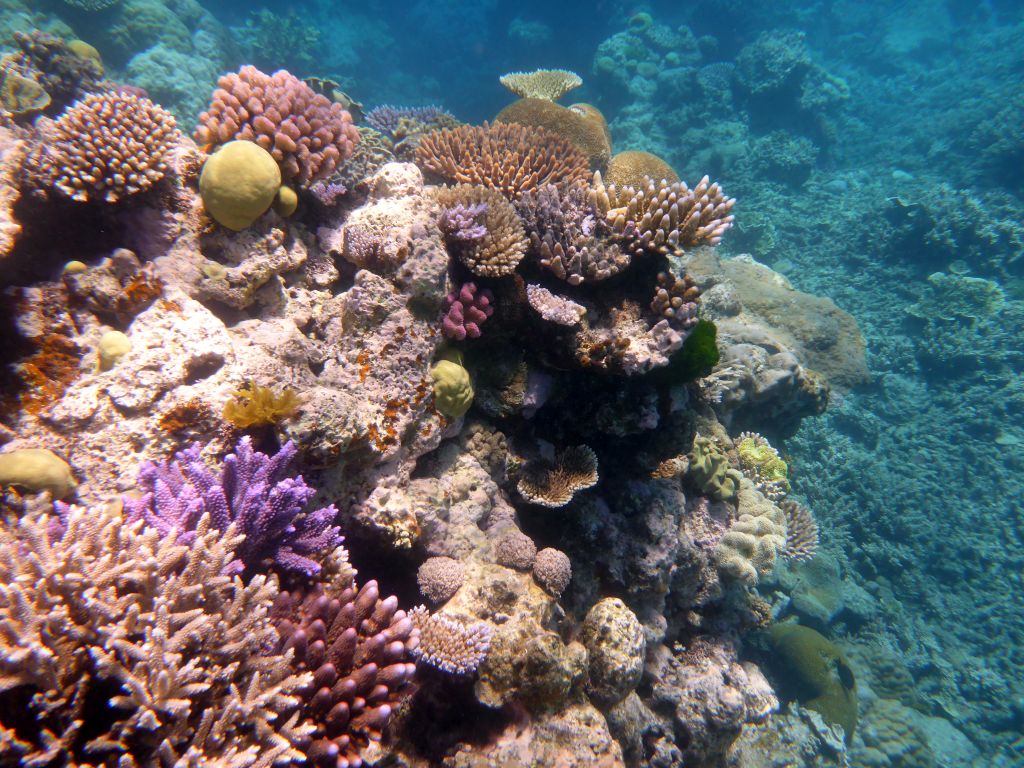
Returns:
<point x="876" y="152"/>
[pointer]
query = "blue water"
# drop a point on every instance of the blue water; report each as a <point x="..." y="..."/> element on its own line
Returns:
<point x="877" y="153"/>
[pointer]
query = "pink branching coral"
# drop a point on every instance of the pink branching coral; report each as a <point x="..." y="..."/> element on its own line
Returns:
<point x="465" y="311"/>
<point x="306" y="133"/>
<point x="105" y="147"/>
<point x="358" y="648"/>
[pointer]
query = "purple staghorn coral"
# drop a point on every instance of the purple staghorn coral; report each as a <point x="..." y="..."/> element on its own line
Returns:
<point x="465" y="311"/>
<point x="386" y="117"/>
<point x="253" y="491"/>
<point x="463" y="222"/>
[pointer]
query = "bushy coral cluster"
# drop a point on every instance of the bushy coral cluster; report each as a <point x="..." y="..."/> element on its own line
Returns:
<point x="450" y="643"/>
<point x="358" y="648"/>
<point x="103" y="148"/>
<point x="307" y="135"/>
<point x="502" y="244"/>
<point x="253" y="491"/>
<point x="465" y="311"/>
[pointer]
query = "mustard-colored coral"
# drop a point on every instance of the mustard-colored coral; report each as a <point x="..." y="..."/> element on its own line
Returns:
<point x="709" y="470"/>
<point x="453" y="389"/>
<point x="763" y="465"/>
<point x="632" y="169"/>
<point x="581" y="124"/>
<point x="255" y="406"/>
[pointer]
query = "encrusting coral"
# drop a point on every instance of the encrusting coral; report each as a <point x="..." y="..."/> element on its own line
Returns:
<point x="120" y="644"/>
<point x="105" y="147"/>
<point x="254" y="492"/>
<point x="508" y="157"/>
<point x="307" y="134"/>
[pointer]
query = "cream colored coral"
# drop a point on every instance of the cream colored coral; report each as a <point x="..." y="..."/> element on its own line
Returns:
<point x="749" y="548"/>
<point x="547" y="84"/>
<point x="110" y="609"/>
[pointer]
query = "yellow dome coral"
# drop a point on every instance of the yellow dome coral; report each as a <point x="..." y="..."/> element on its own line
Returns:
<point x="453" y="389"/>
<point x="238" y="183"/>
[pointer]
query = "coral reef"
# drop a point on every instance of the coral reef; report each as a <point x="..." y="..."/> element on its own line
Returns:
<point x="307" y="135"/>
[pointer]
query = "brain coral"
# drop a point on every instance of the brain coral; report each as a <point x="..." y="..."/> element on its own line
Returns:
<point x="105" y="147"/>
<point x="632" y="169"/>
<point x="508" y="157"/>
<point x="306" y="133"/>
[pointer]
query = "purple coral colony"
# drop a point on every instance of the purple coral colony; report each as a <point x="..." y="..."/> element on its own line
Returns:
<point x="475" y="354"/>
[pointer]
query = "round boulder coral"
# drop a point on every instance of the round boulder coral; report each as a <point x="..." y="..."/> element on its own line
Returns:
<point x="439" y="578"/>
<point x="615" y="644"/>
<point x="585" y="129"/>
<point x="105" y="147"/>
<point x="552" y="570"/>
<point x="307" y="134"/>
<point x="633" y="169"/>
<point x="238" y="184"/>
<point x="516" y="550"/>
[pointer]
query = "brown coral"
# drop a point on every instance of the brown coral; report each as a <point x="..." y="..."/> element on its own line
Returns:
<point x="583" y="125"/>
<point x="307" y="134"/>
<point x="508" y="157"/>
<point x="105" y="147"/>
<point x="157" y="655"/>
<point x="503" y="246"/>
<point x="548" y="84"/>
<point x="553" y="484"/>
<point x="801" y="531"/>
<point x="633" y="169"/>
<point x="663" y="218"/>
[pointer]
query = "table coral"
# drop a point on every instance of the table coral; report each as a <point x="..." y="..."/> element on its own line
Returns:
<point x="549" y="84"/>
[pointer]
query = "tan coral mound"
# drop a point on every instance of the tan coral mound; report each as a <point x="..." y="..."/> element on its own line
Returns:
<point x="508" y="157"/>
<point x="500" y="250"/>
<point x="105" y="147"/>
<point x="553" y="484"/>
<point x="111" y="624"/>
<point x="664" y="218"/>
<point x="585" y="128"/>
<point x="633" y="169"/>
<point x="550" y="84"/>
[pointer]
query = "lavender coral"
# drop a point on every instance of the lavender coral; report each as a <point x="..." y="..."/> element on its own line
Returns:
<point x="307" y="134"/>
<point x="386" y="118"/>
<point x="105" y="147"/>
<point x="253" y="491"/>
<point x="462" y="222"/>
<point x="465" y="311"/>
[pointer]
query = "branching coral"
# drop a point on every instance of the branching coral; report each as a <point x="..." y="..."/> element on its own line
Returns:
<point x="664" y="218"/>
<point x="549" y="84"/>
<point x="105" y="147"/>
<point x="498" y="252"/>
<point x="387" y="118"/>
<point x="450" y="643"/>
<point x="465" y="311"/>
<point x="121" y="645"/>
<point x="568" y="235"/>
<point x="553" y="484"/>
<point x="358" y="648"/>
<point x="508" y="157"/>
<point x="307" y="134"/>
<point x="801" y="531"/>
<point x="253" y="491"/>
